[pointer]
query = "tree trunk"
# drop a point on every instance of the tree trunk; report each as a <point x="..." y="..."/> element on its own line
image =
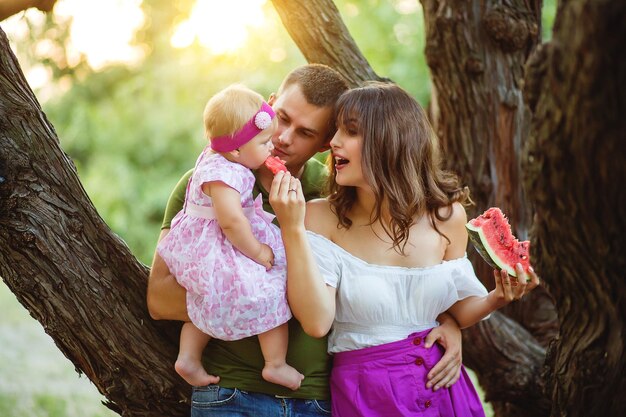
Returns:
<point x="75" y="276"/>
<point x="476" y="53"/>
<point x="576" y="85"/>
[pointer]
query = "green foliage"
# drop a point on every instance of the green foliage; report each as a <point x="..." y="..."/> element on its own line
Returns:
<point x="8" y="403"/>
<point x="548" y="13"/>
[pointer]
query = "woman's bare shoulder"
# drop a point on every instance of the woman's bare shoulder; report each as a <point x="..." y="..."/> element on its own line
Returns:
<point x="454" y="229"/>
<point x="319" y="217"/>
<point x="455" y="216"/>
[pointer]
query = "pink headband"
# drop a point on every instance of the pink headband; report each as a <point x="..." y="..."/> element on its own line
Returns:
<point x="259" y="122"/>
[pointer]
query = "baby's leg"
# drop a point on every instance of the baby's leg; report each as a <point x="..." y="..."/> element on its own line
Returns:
<point x="189" y="361"/>
<point x="274" y="348"/>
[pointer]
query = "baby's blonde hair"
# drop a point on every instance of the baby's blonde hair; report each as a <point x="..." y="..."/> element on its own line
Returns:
<point x="230" y="109"/>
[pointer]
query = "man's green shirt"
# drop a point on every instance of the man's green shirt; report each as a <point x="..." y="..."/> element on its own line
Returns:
<point x="239" y="363"/>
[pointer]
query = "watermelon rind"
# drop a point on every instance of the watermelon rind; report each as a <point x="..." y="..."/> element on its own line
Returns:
<point x="480" y="241"/>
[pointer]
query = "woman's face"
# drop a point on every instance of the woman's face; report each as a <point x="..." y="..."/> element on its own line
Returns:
<point x="346" y="147"/>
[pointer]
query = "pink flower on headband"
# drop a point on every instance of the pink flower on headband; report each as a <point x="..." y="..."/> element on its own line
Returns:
<point x="263" y="120"/>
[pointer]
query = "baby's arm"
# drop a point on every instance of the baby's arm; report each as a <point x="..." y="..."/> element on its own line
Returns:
<point x="234" y="224"/>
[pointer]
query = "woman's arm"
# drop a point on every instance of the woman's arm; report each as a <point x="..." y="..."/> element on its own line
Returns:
<point x="310" y="299"/>
<point x="234" y="224"/>
<point x="473" y="309"/>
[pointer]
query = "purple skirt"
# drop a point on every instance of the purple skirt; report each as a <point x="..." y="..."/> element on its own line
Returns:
<point x="390" y="380"/>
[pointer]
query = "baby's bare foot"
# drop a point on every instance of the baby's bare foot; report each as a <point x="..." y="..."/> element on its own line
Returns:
<point x="282" y="374"/>
<point x="193" y="372"/>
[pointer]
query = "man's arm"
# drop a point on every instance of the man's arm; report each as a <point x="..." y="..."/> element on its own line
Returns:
<point x="448" y="370"/>
<point x="166" y="298"/>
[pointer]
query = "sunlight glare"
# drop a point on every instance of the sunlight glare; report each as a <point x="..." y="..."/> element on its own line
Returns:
<point x="103" y="30"/>
<point x="278" y="54"/>
<point x="407" y="6"/>
<point x="37" y="76"/>
<point x="221" y="27"/>
<point x="352" y="9"/>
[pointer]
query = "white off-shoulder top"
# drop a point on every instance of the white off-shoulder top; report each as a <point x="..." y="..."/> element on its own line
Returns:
<point x="379" y="304"/>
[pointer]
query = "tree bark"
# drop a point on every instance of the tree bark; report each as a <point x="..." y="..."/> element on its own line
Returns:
<point x="476" y="52"/>
<point x="576" y="85"/>
<point x="75" y="276"/>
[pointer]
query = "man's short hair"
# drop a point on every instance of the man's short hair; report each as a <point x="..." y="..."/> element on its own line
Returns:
<point x="320" y="84"/>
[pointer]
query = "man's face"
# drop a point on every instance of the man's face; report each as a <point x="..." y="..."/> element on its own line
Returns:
<point x="302" y="128"/>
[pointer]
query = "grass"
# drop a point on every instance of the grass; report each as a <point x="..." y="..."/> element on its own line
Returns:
<point x="36" y="380"/>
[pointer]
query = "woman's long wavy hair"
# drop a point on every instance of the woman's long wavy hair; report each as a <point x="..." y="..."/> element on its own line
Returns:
<point x="400" y="159"/>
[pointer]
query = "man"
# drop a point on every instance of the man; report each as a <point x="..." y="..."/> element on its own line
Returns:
<point x="304" y="109"/>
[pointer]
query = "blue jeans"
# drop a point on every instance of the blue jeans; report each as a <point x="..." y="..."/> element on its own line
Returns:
<point x="214" y="400"/>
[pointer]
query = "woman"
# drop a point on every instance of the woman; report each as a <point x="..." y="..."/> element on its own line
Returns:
<point x="384" y="257"/>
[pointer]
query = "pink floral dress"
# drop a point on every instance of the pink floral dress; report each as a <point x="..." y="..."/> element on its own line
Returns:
<point x="229" y="296"/>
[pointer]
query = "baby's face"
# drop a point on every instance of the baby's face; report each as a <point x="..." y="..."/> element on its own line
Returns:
<point x="255" y="152"/>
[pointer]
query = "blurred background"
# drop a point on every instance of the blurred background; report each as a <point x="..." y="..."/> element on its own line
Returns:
<point x="124" y="84"/>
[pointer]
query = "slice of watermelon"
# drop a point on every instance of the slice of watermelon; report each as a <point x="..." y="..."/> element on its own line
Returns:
<point x="492" y="237"/>
<point x="275" y="164"/>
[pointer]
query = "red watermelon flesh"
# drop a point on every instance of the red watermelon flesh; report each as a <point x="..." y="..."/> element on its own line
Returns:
<point x="492" y="237"/>
<point x="275" y="164"/>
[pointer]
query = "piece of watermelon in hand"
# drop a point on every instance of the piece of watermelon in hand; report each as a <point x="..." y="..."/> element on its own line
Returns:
<point x="275" y="164"/>
<point x="492" y="237"/>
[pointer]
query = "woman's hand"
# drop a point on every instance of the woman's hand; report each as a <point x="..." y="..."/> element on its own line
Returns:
<point x="513" y="288"/>
<point x="287" y="200"/>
